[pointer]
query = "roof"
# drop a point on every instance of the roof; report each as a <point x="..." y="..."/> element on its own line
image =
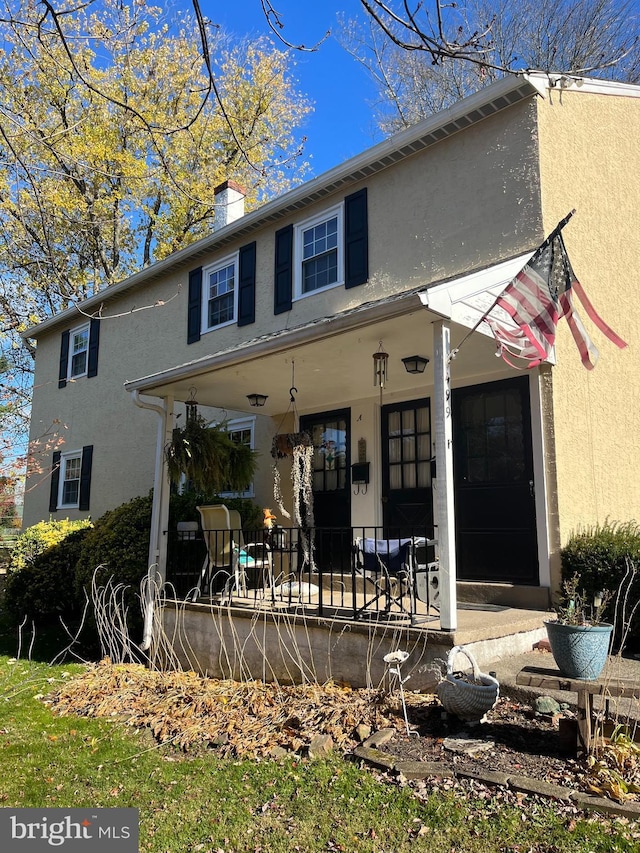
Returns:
<point x="462" y="299"/>
<point x="432" y="130"/>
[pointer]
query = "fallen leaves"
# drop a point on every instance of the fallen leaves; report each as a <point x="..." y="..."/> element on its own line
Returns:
<point x="243" y="719"/>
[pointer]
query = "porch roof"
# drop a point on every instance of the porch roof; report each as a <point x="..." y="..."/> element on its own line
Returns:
<point x="332" y="354"/>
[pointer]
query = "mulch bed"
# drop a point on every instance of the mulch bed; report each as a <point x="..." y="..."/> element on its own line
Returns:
<point x="256" y="720"/>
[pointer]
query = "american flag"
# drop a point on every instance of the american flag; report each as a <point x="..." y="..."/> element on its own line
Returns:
<point x="535" y="299"/>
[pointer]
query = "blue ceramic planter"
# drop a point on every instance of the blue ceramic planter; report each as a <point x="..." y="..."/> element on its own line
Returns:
<point x="580" y="651"/>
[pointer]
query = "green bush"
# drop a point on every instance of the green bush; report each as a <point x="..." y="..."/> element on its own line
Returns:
<point x="58" y="559"/>
<point x="117" y="547"/>
<point x="601" y="557"/>
<point x="38" y="538"/>
<point x="45" y="586"/>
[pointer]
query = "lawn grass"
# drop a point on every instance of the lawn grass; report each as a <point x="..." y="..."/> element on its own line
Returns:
<point x="205" y="803"/>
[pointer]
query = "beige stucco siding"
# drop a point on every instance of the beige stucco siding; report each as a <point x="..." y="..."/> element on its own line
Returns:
<point x="461" y="204"/>
<point x="590" y="161"/>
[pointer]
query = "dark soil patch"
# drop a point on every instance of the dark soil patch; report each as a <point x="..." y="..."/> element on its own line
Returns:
<point x="519" y="741"/>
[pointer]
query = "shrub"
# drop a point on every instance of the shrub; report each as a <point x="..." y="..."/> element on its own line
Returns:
<point x="45" y="586"/>
<point x="38" y="538"/>
<point x="119" y="544"/>
<point x="600" y="556"/>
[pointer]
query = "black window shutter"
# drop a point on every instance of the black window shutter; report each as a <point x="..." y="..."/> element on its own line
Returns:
<point x="195" y="306"/>
<point x="85" y="477"/>
<point x="283" y="280"/>
<point x="356" y="239"/>
<point x="64" y="359"/>
<point x="247" y="285"/>
<point x="94" y="345"/>
<point x="55" y="481"/>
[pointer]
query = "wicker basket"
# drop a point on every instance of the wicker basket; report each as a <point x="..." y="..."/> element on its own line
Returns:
<point x="470" y="696"/>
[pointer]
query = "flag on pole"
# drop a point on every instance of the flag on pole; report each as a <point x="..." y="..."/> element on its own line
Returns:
<point x="540" y="294"/>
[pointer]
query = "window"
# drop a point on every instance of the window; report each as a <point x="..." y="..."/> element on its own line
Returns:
<point x="79" y="352"/>
<point x="219" y="294"/>
<point x="71" y="479"/>
<point x="70" y="466"/>
<point x="242" y="431"/>
<point x="319" y="252"/>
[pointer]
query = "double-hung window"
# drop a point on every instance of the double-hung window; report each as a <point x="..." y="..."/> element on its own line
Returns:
<point x="319" y="252"/>
<point x="70" y="467"/>
<point x="78" y="352"/>
<point x="219" y="294"/>
<point x="71" y="479"/>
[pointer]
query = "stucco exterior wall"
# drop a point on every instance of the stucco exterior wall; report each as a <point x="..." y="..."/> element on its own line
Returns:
<point x="428" y="219"/>
<point x="590" y="161"/>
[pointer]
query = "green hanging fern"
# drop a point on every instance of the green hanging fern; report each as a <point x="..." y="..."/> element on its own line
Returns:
<point x="209" y="458"/>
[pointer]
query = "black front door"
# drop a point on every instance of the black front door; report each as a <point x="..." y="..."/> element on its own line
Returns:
<point x="493" y="474"/>
<point x="406" y="469"/>
<point x="330" y="432"/>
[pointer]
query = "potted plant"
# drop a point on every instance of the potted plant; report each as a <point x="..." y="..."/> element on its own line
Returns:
<point x="579" y="639"/>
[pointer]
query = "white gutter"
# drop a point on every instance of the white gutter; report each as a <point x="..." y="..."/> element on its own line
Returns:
<point x="159" y="516"/>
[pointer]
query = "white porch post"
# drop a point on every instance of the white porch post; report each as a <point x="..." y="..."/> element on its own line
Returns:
<point x="444" y="476"/>
<point x="157" y="560"/>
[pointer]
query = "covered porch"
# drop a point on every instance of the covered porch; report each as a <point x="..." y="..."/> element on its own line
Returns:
<point x="392" y="471"/>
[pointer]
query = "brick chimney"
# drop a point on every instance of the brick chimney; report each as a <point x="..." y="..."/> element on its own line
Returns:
<point x="229" y="201"/>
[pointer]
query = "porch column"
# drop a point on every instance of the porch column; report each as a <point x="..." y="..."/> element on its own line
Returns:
<point x="157" y="560"/>
<point x="445" y="516"/>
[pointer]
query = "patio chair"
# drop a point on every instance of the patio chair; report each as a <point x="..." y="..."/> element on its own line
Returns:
<point x="227" y="553"/>
<point x="387" y="565"/>
<point x="399" y="568"/>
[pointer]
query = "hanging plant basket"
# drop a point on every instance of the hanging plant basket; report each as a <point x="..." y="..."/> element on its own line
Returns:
<point x="285" y="443"/>
<point x="208" y="458"/>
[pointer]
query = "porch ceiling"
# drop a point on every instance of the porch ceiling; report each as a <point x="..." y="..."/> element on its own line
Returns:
<point x="329" y="369"/>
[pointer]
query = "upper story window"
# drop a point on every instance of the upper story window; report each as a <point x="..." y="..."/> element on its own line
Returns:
<point x="78" y="352"/>
<point x="319" y="252"/>
<point x="219" y="294"/>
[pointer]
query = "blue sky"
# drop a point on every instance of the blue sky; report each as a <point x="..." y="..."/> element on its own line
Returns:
<point x="342" y="124"/>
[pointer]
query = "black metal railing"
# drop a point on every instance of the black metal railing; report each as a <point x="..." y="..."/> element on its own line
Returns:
<point x="354" y="572"/>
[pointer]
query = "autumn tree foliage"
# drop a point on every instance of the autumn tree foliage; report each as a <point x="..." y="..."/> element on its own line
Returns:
<point x="116" y="125"/>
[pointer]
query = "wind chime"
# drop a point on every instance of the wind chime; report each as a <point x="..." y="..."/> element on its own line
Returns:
<point x="380" y="369"/>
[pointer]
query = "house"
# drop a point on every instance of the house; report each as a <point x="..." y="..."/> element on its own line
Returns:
<point x="395" y="251"/>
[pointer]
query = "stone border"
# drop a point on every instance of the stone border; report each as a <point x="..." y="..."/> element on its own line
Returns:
<point x="418" y="770"/>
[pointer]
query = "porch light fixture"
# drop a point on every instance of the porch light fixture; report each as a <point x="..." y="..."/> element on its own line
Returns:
<point x="257" y="399"/>
<point x="380" y="367"/>
<point x="415" y="363"/>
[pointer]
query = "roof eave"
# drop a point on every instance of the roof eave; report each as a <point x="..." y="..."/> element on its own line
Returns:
<point x="487" y="101"/>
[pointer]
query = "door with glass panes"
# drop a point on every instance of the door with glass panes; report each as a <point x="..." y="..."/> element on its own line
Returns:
<point x="406" y="469"/>
<point x="330" y="432"/>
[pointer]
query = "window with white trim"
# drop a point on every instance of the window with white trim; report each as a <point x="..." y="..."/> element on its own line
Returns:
<point x="242" y="431"/>
<point x="78" y="352"/>
<point x="319" y="252"/>
<point x="219" y="293"/>
<point x="69" y="488"/>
